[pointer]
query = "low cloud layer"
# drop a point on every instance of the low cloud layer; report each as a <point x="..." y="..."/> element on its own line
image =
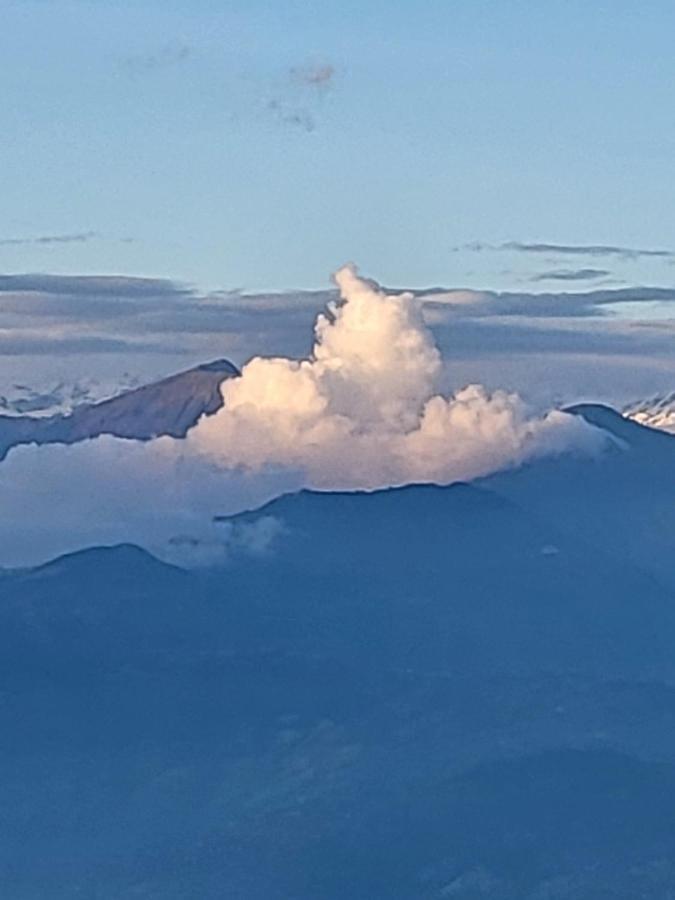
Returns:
<point x="546" y="305"/>
<point x="66" y="328"/>
<point x="362" y="410"/>
<point x="104" y="286"/>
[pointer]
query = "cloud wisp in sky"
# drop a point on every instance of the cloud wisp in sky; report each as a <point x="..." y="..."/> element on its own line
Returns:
<point x="594" y="250"/>
<point x="81" y="237"/>
<point x="571" y="275"/>
<point x="167" y="56"/>
<point x="319" y="75"/>
<point x="298" y="96"/>
<point x="96" y="286"/>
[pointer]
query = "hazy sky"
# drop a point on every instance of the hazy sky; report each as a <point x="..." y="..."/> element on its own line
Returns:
<point x="262" y="143"/>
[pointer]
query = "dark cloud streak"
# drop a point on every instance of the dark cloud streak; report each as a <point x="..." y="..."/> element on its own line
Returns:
<point x="571" y="275"/>
<point x="595" y="250"/>
<point x="92" y="285"/>
<point x="78" y="238"/>
<point x="38" y="345"/>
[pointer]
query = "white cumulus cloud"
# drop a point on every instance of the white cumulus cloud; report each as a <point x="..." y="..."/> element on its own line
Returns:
<point x="363" y="410"/>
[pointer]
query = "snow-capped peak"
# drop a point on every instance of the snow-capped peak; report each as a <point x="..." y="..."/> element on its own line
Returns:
<point x="62" y="398"/>
<point x="657" y="412"/>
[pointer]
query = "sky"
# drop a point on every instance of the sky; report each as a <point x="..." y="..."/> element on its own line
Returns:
<point x="261" y="144"/>
<point x="231" y="150"/>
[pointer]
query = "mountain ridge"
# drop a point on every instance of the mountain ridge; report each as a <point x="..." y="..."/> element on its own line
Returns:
<point x="170" y="406"/>
<point x="418" y="692"/>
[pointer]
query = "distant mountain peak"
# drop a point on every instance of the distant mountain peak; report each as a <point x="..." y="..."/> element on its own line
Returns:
<point x="219" y="365"/>
<point x="121" y="561"/>
<point x="623" y="427"/>
<point x="167" y="407"/>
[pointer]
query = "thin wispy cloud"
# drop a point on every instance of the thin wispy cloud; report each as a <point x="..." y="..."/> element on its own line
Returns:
<point x="298" y="96"/>
<point x="595" y="250"/>
<point x="319" y="76"/>
<point x="169" y="55"/>
<point x="299" y="118"/>
<point x="81" y="237"/>
<point x="588" y="250"/>
<point x="571" y="275"/>
<point x="547" y="304"/>
<point x="36" y="343"/>
<point x="112" y="286"/>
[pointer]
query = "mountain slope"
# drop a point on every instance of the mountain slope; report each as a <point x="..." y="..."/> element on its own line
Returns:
<point x="625" y="428"/>
<point x="621" y="502"/>
<point x="473" y="580"/>
<point x="171" y="406"/>
<point x="409" y="695"/>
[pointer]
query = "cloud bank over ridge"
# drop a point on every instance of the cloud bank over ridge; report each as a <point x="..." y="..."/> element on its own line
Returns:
<point x="609" y="344"/>
<point x="362" y="410"/>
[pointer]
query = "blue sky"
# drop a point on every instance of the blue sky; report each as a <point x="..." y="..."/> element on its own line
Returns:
<point x="196" y="141"/>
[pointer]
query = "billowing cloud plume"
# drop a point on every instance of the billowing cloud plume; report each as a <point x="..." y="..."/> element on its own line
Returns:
<point x="363" y="410"/>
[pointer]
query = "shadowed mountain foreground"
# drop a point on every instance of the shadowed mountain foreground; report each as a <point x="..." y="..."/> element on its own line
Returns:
<point x="416" y="693"/>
